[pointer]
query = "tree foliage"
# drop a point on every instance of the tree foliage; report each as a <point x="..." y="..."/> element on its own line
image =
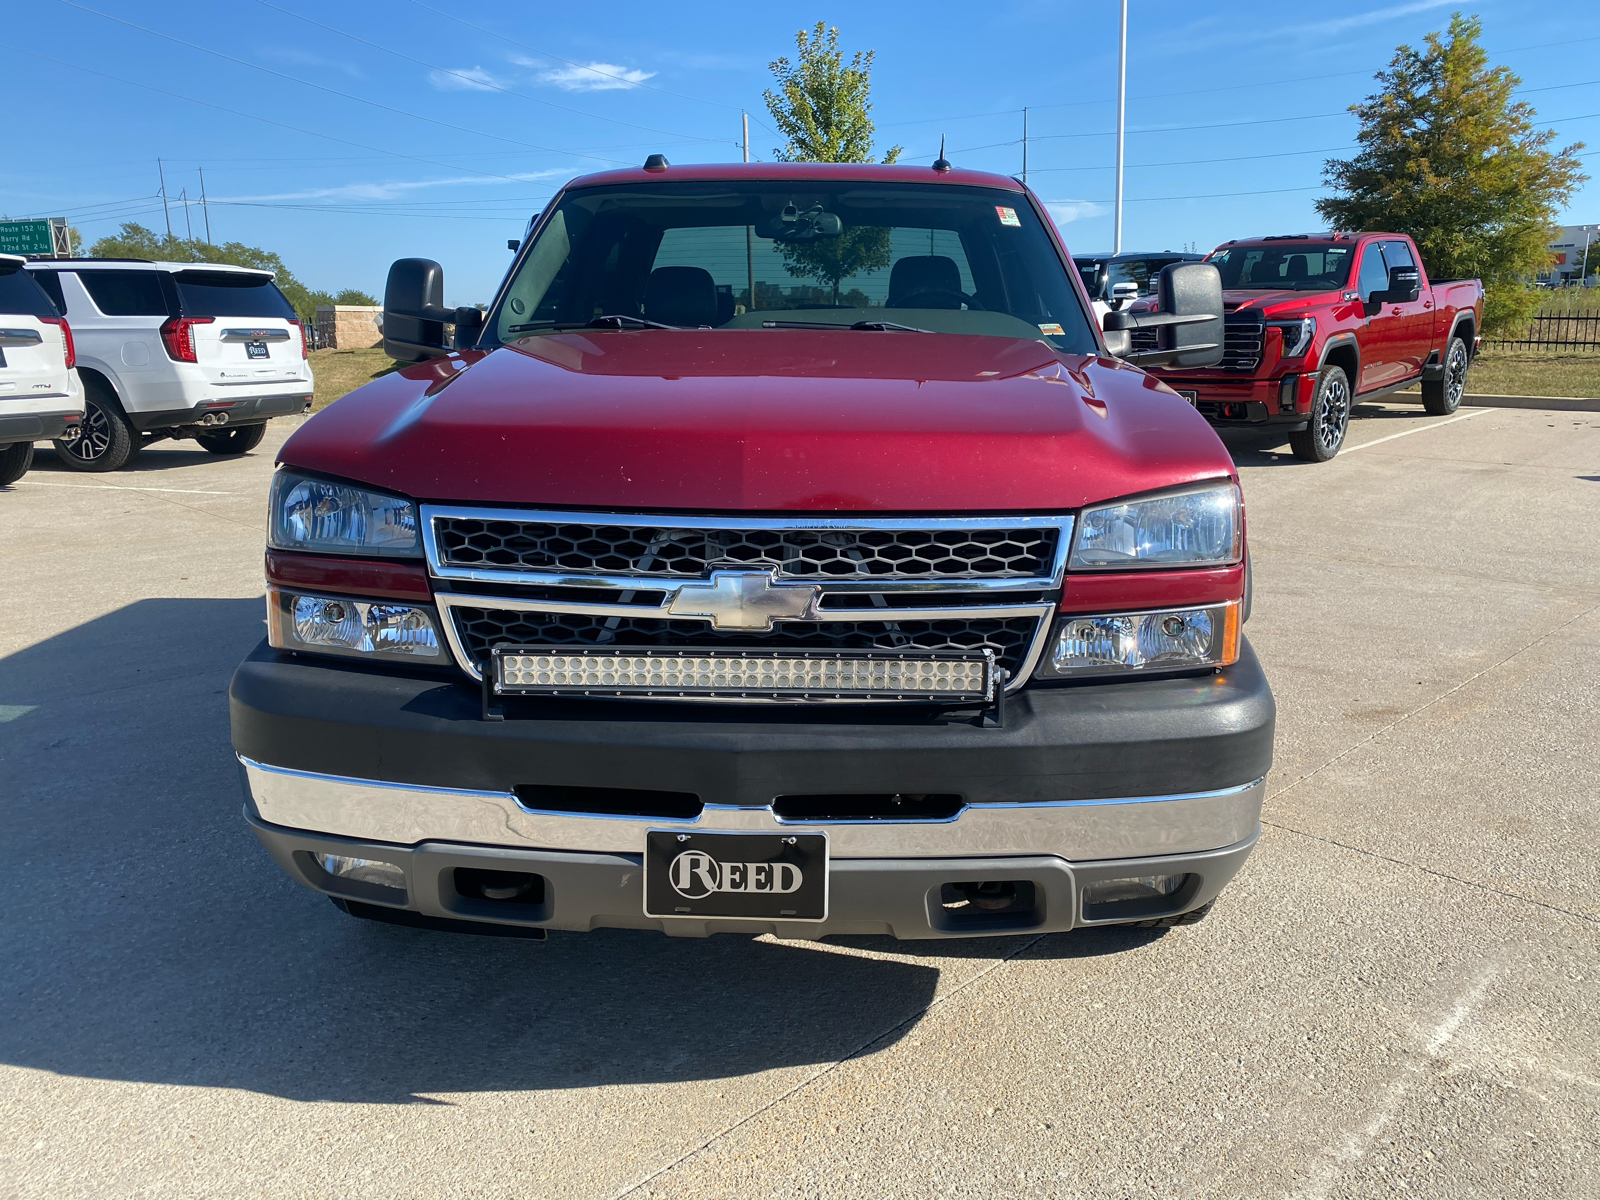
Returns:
<point x="824" y="108"/>
<point x="1447" y="156"/>
<point x="135" y="241"/>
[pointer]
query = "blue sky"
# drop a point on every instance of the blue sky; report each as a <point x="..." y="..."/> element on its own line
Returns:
<point x="347" y="133"/>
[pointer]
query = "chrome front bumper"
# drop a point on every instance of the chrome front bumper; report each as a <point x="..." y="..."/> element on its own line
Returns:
<point x="1074" y="830"/>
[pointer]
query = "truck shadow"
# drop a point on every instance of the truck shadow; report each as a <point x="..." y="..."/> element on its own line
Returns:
<point x="149" y="938"/>
<point x="1266" y="448"/>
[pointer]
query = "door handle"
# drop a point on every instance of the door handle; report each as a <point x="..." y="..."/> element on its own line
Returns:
<point x="1427" y="304"/>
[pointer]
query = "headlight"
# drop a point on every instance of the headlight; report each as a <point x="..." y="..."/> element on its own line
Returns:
<point x="1297" y="335"/>
<point x="1173" y="640"/>
<point x="370" y="629"/>
<point x="335" y="518"/>
<point x="1196" y="527"/>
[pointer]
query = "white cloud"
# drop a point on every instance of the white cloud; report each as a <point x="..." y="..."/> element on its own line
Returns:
<point x="594" y="77"/>
<point x="464" y="79"/>
<point x="393" y="189"/>
<point x="1067" y="211"/>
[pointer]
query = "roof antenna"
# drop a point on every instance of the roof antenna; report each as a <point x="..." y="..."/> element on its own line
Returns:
<point x="941" y="163"/>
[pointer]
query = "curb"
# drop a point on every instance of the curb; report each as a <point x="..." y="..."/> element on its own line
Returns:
<point x="1555" y="403"/>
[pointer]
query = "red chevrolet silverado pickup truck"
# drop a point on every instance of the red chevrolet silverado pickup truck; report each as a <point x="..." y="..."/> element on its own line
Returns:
<point x="1317" y="322"/>
<point x="783" y="550"/>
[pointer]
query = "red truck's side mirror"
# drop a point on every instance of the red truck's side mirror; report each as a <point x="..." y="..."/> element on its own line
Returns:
<point x="1188" y="323"/>
<point x="414" y="312"/>
<point x="1405" y="285"/>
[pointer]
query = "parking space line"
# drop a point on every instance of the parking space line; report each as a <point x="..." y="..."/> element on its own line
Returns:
<point x="116" y="487"/>
<point x="1477" y="412"/>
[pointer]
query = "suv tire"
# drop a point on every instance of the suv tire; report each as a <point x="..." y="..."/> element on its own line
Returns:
<point x="1442" y="396"/>
<point x="239" y="440"/>
<point x="15" y="460"/>
<point x="1330" y="418"/>
<point x="106" y="441"/>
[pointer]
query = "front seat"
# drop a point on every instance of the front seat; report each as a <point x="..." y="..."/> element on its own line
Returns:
<point x="1299" y="269"/>
<point x="681" y="296"/>
<point x="925" y="281"/>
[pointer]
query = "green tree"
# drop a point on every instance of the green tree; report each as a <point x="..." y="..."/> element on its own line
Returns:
<point x="1448" y="157"/>
<point x="135" y="241"/>
<point x="824" y="108"/>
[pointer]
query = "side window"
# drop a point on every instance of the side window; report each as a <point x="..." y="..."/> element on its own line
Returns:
<point x="50" y="281"/>
<point x="1374" y="275"/>
<point x="126" y="293"/>
<point x="1398" y="254"/>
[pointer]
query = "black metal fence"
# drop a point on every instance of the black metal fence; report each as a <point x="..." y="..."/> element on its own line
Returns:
<point x="1555" y="331"/>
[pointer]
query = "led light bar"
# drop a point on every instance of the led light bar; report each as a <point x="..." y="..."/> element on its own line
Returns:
<point x="744" y="674"/>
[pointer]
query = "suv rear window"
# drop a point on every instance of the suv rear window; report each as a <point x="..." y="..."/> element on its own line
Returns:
<point x="126" y="293"/>
<point x="230" y="294"/>
<point x="21" y="296"/>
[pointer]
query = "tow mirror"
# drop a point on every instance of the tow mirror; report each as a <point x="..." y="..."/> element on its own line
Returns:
<point x="414" y="315"/>
<point x="1121" y="293"/>
<point x="1405" y="285"/>
<point x="1187" y="324"/>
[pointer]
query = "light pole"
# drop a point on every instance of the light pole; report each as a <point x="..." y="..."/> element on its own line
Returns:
<point x="1122" y="114"/>
<point x="1583" y="272"/>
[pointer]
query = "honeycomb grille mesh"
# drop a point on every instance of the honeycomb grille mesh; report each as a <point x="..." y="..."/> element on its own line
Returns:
<point x="480" y="629"/>
<point x="520" y="545"/>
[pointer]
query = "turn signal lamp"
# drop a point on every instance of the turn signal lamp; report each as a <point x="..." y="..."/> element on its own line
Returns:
<point x="177" y="333"/>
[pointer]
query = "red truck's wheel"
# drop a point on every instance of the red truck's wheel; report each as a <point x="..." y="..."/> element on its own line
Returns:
<point x="1442" y="396"/>
<point x="1330" y="418"/>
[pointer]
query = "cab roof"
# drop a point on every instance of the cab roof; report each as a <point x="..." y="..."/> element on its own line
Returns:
<point x="800" y="172"/>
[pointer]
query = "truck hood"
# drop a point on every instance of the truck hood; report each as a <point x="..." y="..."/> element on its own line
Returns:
<point x="1277" y="300"/>
<point x="778" y="420"/>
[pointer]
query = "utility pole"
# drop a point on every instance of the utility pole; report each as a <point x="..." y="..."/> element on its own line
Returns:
<point x="167" y="211"/>
<point x="1583" y="271"/>
<point x="1122" y="123"/>
<point x="1024" y="147"/>
<point x="203" y="208"/>
<point x="749" y="239"/>
<point x="187" y="224"/>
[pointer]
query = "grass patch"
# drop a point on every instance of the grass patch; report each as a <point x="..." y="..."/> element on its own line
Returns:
<point x="1532" y="373"/>
<point x="339" y="372"/>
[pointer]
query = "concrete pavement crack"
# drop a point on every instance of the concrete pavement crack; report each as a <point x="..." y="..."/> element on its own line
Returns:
<point x="827" y="1070"/>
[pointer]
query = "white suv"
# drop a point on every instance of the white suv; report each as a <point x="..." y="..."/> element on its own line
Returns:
<point x="40" y="396"/>
<point x="176" y="350"/>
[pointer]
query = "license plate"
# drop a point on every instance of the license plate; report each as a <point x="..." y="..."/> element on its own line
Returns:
<point x="255" y="350"/>
<point x="1192" y="397"/>
<point x="744" y="876"/>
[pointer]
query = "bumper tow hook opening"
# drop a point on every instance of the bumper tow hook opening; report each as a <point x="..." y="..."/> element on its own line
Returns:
<point x="503" y="887"/>
<point x="991" y="895"/>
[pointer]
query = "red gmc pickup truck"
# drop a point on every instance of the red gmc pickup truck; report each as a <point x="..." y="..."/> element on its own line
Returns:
<point x="784" y="550"/>
<point x="1319" y="321"/>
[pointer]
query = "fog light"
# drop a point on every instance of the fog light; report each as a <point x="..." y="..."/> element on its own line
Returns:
<point x="1134" y="888"/>
<point x="362" y="870"/>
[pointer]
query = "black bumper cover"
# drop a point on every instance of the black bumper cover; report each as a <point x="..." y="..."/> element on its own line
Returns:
<point x="1145" y="737"/>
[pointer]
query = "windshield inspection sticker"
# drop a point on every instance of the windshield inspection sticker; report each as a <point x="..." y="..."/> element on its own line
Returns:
<point x="1008" y="216"/>
<point x="1051" y="330"/>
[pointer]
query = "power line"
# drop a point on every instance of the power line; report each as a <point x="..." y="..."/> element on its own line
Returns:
<point x="331" y="91"/>
<point x="1190" y="162"/>
<point x="483" y="83"/>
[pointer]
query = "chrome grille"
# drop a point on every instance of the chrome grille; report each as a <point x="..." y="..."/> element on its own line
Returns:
<point x="588" y="547"/>
<point x="481" y="629"/>
<point x="1243" y="336"/>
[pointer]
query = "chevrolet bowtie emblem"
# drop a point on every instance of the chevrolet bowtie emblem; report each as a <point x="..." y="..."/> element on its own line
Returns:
<point x="745" y="600"/>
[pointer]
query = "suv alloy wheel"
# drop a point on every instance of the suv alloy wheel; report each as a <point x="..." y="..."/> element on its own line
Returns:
<point x="104" y="441"/>
<point x="1330" y="419"/>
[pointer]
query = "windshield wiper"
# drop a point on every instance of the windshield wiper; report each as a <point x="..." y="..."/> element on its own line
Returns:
<point x="859" y="326"/>
<point x="610" y="320"/>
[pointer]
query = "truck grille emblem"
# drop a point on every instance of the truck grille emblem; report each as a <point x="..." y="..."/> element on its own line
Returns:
<point x="745" y="600"/>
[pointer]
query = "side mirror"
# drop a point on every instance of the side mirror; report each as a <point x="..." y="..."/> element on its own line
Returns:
<point x="1121" y="293"/>
<point x="414" y="312"/>
<point x="1405" y="285"/>
<point x="1188" y="323"/>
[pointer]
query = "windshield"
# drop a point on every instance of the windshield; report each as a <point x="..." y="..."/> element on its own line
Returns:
<point x="230" y="294"/>
<point x="751" y="255"/>
<point x="1294" y="265"/>
<point x="1100" y="275"/>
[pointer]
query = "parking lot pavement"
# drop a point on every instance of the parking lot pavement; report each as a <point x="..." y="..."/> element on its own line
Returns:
<point x="1399" y="993"/>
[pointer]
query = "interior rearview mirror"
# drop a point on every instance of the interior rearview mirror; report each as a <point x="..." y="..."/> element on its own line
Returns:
<point x="1187" y="321"/>
<point x="792" y="225"/>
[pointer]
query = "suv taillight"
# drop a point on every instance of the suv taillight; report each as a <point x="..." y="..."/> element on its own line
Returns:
<point x="304" y="350"/>
<point x="66" y="338"/>
<point x="178" y="334"/>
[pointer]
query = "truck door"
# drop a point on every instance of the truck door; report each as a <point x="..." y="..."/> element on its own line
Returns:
<point x="1376" y="336"/>
<point x="1411" y="321"/>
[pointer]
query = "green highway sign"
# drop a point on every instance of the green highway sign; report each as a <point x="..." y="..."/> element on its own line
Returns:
<point x="34" y="237"/>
